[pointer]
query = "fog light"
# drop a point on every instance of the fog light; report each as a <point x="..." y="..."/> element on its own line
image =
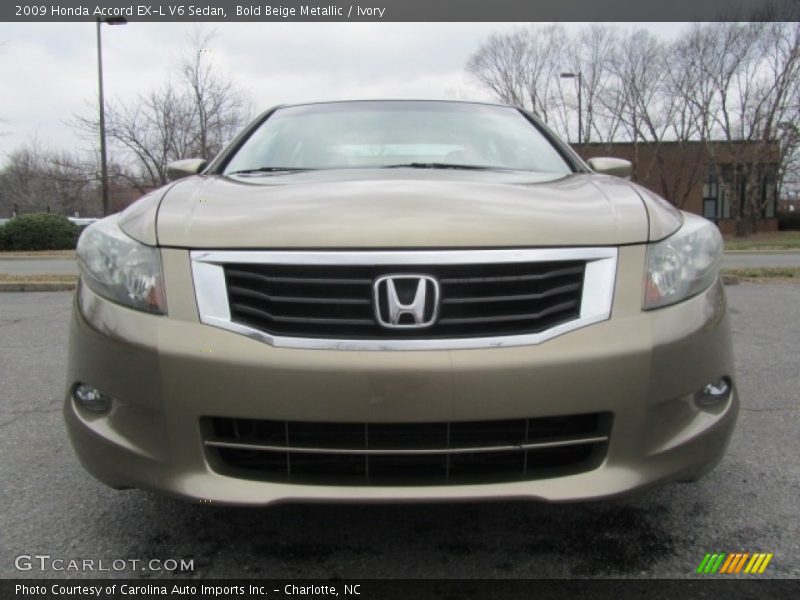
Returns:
<point x="91" y="398"/>
<point x="713" y="392"/>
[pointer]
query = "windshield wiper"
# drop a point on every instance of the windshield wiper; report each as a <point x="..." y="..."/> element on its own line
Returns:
<point x="437" y="165"/>
<point x="266" y="170"/>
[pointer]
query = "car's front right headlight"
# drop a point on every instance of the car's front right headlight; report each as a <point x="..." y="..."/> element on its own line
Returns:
<point x="121" y="269"/>
<point x="684" y="264"/>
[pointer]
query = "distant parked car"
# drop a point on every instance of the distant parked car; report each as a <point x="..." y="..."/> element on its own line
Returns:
<point x="82" y="222"/>
<point x="399" y="300"/>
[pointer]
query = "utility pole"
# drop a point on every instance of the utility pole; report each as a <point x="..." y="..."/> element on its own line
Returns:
<point x="103" y="160"/>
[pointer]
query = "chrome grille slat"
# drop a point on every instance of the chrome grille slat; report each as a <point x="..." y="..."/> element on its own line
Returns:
<point x="304" y="280"/>
<point x="514" y="278"/>
<point x="502" y="318"/>
<point x="215" y="443"/>
<point x="284" y="319"/>
<point x="451" y="299"/>
<point x="235" y="289"/>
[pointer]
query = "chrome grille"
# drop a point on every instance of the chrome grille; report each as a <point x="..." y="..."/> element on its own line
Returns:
<point x="407" y="453"/>
<point x="328" y="299"/>
<point x="335" y="301"/>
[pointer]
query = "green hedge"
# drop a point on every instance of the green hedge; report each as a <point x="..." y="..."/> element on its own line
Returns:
<point x="38" y="231"/>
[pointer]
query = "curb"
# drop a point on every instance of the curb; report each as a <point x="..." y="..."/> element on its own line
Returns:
<point x="37" y="286"/>
<point x="37" y="257"/>
<point x="771" y="251"/>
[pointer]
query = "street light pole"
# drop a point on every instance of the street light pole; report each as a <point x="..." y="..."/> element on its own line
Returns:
<point x="579" y="77"/>
<point x="103" y="160"/>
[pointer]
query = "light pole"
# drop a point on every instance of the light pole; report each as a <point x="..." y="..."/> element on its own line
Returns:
<point x="579" y="77"/>
<point x="103" y="162"/>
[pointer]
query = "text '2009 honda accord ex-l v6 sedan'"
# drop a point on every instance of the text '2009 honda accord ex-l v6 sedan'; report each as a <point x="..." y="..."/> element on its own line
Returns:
<point x="399" y="300"/>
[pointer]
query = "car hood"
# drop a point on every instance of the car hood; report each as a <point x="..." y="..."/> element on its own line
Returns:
<point x="394" y="208"/>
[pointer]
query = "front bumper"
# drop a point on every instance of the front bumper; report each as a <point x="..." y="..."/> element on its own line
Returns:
<point x="166" y="374"/>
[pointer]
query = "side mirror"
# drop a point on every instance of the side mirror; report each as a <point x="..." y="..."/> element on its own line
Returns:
<point x="184" y="168"/>
<point x="611" y="166"/>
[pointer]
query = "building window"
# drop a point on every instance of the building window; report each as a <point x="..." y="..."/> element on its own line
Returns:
<point x="769" y="189"/>
<point x="726" y="175"/>
<point x="726" y="205"/>
<point x="710" y="185"/>
<point x="711" y="194"/>
<point x="710" y="208"/>
<point x="743" y="178"/>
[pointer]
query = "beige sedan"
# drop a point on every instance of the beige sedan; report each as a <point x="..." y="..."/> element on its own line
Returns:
<point x="399" y="300"/>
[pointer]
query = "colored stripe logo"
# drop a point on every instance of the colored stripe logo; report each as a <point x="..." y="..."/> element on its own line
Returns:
<point x="734" y="563"/>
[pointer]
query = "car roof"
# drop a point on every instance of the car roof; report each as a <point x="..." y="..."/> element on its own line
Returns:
<point x="356" y="100"/>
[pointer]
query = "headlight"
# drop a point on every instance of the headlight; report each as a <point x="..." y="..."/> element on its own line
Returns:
<point x="684" y="264"/>
<point x="121" y="269"/>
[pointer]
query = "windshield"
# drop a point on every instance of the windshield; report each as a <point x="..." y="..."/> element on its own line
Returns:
<point x="416" y="134"/>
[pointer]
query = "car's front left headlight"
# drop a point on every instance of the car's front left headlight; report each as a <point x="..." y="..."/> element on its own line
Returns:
<point x="684" y="264"/>
<point x="121" y="269"/>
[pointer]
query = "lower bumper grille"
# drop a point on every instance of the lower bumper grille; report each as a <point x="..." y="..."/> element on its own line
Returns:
<point x="407" y="453"/>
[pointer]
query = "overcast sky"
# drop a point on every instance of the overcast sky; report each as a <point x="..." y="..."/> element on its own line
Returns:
<point x="49" y="70"/>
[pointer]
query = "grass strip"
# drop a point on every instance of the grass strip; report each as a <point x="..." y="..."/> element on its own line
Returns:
<point x="39" y="278"/>
<point x="764" y="273"/>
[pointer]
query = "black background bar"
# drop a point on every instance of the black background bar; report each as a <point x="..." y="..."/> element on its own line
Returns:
<point x="727" y="587"/>
<point x="404" y="10"/>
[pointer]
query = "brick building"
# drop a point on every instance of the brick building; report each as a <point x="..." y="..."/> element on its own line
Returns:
<point x="716" y="180"/>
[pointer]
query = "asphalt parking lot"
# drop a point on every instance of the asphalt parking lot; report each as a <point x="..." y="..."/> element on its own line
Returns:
<point x="749" y="503"/>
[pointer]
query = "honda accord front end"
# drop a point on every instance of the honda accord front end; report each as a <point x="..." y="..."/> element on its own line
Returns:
<point x="399" y="300"/>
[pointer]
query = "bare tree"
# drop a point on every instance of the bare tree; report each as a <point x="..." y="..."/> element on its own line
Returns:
<point x="780" y="50"/>
<point x="154" y="130"/>
<point x="499" y="66"/>
<point x="2" y="51"/>
<point x="521" y="67"/>
<point x="218" y="105"/>
<point x="732" y="86"/>
<point x="750" y="73"/>
<point x="646" y="96"/>
<point x="191" y="116"/>
<point x="39" y="179"/>
<point x="589" y="56"/>
<point x="789" y="169"/>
